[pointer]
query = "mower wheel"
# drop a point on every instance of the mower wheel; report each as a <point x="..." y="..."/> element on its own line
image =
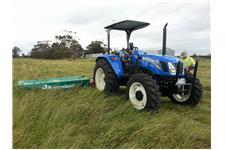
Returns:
<point x="143" y="92"/>
<point x="192" y="98"/>
<point x="105" y="78"/>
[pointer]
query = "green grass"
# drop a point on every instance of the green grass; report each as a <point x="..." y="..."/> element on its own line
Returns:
<point x="87" y="118"/>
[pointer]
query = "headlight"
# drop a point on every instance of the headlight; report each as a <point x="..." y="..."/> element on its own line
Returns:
<point x="156" y="63"/>
<point x="172" y="68"/>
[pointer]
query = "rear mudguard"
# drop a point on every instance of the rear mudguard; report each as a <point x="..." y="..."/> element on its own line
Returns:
<point x="115" y="63"/>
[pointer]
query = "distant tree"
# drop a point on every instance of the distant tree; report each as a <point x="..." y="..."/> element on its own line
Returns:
<point x="64" y="46"/>
<point x="96" y="47"/>
<point x="76" y="49"/>
<point x="40" y="50"/>
<point x="16" y="51"/>
<point x="68" y="41"/>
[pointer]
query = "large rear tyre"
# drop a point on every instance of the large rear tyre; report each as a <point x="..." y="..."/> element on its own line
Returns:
<point x="143" y="92"/>
<point x="105" y="78"/>
<point x="192" y="97"/>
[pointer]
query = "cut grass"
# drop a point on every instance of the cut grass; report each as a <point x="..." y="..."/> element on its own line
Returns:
<point x="87" y="118"/>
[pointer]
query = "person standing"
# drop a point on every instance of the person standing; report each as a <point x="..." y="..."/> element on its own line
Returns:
<point x="189" y="62"/>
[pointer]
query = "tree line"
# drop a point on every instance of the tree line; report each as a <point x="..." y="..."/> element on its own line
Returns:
<point x="65" y="45"/>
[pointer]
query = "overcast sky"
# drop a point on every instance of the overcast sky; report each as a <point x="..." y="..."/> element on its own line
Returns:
<point x="188" y="28"/>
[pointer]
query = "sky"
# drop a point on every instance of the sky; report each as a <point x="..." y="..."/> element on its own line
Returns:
<point x="188" y="22"/>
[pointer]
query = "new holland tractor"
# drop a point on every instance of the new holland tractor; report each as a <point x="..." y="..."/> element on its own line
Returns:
<point x="146" y="77"/>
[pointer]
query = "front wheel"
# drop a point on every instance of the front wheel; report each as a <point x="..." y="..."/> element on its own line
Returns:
<point x="191" y="97"/>
<point x="143" y="92"/>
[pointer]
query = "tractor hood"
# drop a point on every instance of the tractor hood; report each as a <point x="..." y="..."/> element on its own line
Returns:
<point x="164" y="58"/>
<point x="162" y="65"/>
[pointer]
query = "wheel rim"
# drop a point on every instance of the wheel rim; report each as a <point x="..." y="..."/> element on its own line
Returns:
<point x="137" y="95"/>
<point x="183" y="97"/>
<point x="100" y="79"/>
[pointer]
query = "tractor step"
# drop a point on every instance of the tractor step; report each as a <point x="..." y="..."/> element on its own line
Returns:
<point x="55" y="83"/>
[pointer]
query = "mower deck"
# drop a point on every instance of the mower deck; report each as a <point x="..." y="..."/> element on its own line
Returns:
<point x="55" y="83"/>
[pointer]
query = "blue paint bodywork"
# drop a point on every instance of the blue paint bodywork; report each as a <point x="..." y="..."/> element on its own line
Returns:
<point x="115" y="62"/>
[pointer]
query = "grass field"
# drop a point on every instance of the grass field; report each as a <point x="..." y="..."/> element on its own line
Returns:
<point x="87" y="118"/>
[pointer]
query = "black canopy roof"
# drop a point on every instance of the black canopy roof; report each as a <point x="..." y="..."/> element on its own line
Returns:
<point x="128" y="25"/>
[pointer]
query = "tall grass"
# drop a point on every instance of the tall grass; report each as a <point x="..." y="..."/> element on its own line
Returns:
<point x="87" y="118"/>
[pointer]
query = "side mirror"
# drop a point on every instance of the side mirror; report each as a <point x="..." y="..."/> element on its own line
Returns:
<point x="131" y="45"/>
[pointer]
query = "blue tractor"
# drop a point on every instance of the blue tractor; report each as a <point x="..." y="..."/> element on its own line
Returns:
<point x="146" y="77"/>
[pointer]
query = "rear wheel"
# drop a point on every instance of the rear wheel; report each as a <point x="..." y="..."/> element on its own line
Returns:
<point x="143" y="92"/>
<point x="100" y="79"/>
<point x="105" y="78"/>
<point x="191" y="97"/>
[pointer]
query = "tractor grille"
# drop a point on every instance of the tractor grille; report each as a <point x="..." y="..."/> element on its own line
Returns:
<point x="179" y="67"/>
<point x="164" y="66"/>
<point x="165" y="81"/>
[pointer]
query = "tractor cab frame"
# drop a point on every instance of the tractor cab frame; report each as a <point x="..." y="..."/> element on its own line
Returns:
<point x="128" y="26"/>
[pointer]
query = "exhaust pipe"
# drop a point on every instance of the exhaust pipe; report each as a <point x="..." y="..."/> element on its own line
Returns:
<point x="164" y="40"/>
<point x="108" y="40"/>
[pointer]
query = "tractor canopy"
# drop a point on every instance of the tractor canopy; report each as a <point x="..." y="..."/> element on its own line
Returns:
<point x="128" y="25"/>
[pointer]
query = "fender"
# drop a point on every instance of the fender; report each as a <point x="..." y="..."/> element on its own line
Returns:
<point x="115" y="63"/>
